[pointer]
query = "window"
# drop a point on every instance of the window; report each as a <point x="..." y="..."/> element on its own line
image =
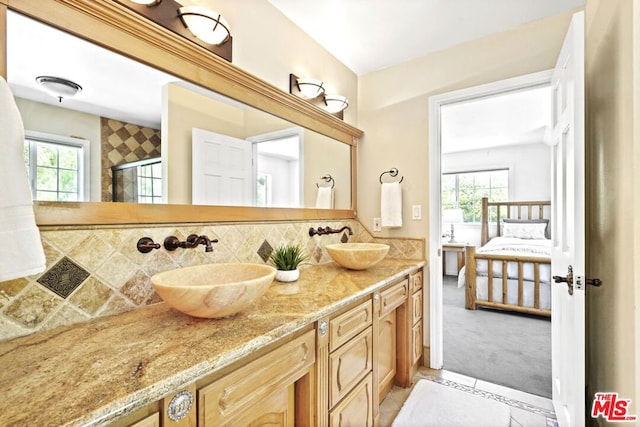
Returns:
<point x="465" y="190"/>
<point x="56" y="166"/>
<point x="150" y="183"/>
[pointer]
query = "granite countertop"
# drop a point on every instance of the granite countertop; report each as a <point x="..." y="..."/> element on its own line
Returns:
<point x="94" y="372"/>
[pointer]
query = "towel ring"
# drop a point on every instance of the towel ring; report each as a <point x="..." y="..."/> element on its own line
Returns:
<point x="328" y="179"/>
<point x="393" y="172"/>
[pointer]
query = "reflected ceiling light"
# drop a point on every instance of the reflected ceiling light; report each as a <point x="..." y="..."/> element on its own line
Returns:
<point x="205" y="24"/>
<point x="147" y="2"/>
<point x="310" y="88"/>
<point x="59" y="87"/>
<point x="336" y="103"/>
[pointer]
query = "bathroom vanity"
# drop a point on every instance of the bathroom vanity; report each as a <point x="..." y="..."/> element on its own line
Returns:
<point x="320" y="351"/>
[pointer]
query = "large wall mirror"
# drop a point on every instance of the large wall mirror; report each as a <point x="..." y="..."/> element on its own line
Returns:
<point x="158" y="135"/>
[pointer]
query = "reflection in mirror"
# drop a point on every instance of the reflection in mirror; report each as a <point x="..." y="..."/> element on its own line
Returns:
<point x="128" y="112"/>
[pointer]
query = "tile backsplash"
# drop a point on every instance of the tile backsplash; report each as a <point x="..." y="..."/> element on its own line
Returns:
<point x="98" y="271"/>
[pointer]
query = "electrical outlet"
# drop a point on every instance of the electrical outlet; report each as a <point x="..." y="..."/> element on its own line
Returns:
<point x="416" y="212"/>
<point x="377" y="224"/>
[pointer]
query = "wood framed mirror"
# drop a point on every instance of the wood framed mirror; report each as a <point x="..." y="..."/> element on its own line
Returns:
<point x="113" y="26"/>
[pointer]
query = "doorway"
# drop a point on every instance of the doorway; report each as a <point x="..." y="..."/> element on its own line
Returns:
<point x="484" y="160"/>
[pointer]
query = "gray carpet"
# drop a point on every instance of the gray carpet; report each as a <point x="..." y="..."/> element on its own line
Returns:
<point x="510" y="349"/>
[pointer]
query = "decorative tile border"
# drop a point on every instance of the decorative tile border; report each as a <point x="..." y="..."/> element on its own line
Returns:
<point x="550" y="415"/>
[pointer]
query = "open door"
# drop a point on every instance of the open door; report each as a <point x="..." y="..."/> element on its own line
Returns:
<point x="568" y="230"/>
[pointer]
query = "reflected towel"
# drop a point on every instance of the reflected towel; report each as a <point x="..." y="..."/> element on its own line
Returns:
<point x="21" y="252"/>
<point x="324" y="198"/>
<point x="391" y="204"/>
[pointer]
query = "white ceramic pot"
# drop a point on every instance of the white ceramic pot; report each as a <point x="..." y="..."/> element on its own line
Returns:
<point x="287" y="275"/>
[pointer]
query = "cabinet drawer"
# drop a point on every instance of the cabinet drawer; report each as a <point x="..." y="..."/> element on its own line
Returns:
<point x="152" y="420"/>
<point x="416" y="343"/>
<point x="357" y="408"/>
<point x="416" y="281"/>
<point x="349" y="364"/>
<point x="230" y="395"/>
<point x="393" y="297"/>
<point x="416" y="307"/>
<point x="349" y="324"/>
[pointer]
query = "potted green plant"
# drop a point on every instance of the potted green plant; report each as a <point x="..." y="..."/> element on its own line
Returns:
<point x="287" y="258"/>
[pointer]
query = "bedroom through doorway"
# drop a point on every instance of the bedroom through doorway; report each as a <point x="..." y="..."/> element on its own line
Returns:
<point x="493" y="144"/>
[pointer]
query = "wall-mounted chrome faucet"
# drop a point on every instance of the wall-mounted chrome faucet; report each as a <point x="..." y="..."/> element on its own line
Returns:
<point x="172" y="243"/>
<point x="328" y="230"/>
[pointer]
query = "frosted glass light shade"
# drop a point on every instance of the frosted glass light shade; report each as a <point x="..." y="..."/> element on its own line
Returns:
<point x="310" y="88"/>
<point x="147" y="2"/>
<point x="205" y="24"/>
<point x="336" y="103"/>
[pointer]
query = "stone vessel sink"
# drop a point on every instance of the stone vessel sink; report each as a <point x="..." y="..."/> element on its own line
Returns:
<point x="357" y="256"/>
<point x="213" y="290"/>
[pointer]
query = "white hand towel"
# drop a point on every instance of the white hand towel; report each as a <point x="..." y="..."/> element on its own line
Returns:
<point x="324" y="198"/>
<point x="391" y="204"/>
<point x="21" y="252"/>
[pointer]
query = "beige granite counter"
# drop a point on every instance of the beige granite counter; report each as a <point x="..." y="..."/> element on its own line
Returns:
<point x="97" y="371"/>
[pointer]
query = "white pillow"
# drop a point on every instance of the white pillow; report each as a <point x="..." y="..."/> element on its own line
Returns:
<point x="524" y="230"/>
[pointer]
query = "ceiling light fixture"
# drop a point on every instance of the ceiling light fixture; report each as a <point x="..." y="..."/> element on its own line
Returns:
<point x="205" y="24"/>
<point x="310" y="88"/>
<point x="59" y="87"/>
<point x="336" y="103"/>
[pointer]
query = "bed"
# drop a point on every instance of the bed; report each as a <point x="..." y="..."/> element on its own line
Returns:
<point x="517" y="250"/>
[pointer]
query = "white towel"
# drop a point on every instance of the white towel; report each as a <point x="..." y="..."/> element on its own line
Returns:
<point x="391" y="204"/>
<point x="21" y="252"/>
<point x="324" y="198"/>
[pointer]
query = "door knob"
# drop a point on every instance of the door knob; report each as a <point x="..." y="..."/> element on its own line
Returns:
<point x="568" y="280"/>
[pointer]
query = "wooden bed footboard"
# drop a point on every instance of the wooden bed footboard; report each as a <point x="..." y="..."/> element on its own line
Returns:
<point x="471" y="299"/>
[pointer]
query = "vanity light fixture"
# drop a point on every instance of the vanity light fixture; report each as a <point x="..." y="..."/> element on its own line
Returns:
<point x="59" y="87"/>
<point x="310" y="88"/>
<point x="197" y="24"/>
<point x="312" y="91"/>
<point x="336" y="103"/>
<point x="205" y="24"/>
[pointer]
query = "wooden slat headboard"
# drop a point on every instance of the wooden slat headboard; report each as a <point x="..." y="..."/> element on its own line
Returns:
<point x="515" y="210"/>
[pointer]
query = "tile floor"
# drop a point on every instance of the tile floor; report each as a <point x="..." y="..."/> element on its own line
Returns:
<point x="527" y="410"/>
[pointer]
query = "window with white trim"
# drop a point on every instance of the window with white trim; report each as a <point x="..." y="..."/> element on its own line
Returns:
<point x="465" y="190"/>
<point x="57" y="166"/>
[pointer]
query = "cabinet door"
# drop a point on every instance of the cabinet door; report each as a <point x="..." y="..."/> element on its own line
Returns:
<point x="416" y="307"/>
<point x="416" y="344"/>
<point x="349" y="364"/>
<point x="238" y="392"/>
<point x="357" y="408"/>
<point x="386" y="353"/>
<point x="276" y="410"/>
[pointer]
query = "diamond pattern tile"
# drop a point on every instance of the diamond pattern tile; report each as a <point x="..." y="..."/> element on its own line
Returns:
<point x="265" y="251"/>
<point x="64" y="277"/>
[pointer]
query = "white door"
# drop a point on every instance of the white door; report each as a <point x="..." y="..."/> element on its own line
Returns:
<point x="567" y="201"/>
<point x="222" y="171"/>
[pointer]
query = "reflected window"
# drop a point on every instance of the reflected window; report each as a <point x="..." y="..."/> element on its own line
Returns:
<point x="56" y="166"/>
<point x="264" y="190"/>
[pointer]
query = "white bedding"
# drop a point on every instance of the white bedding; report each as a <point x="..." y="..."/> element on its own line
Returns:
<point x="511" y="246"/>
